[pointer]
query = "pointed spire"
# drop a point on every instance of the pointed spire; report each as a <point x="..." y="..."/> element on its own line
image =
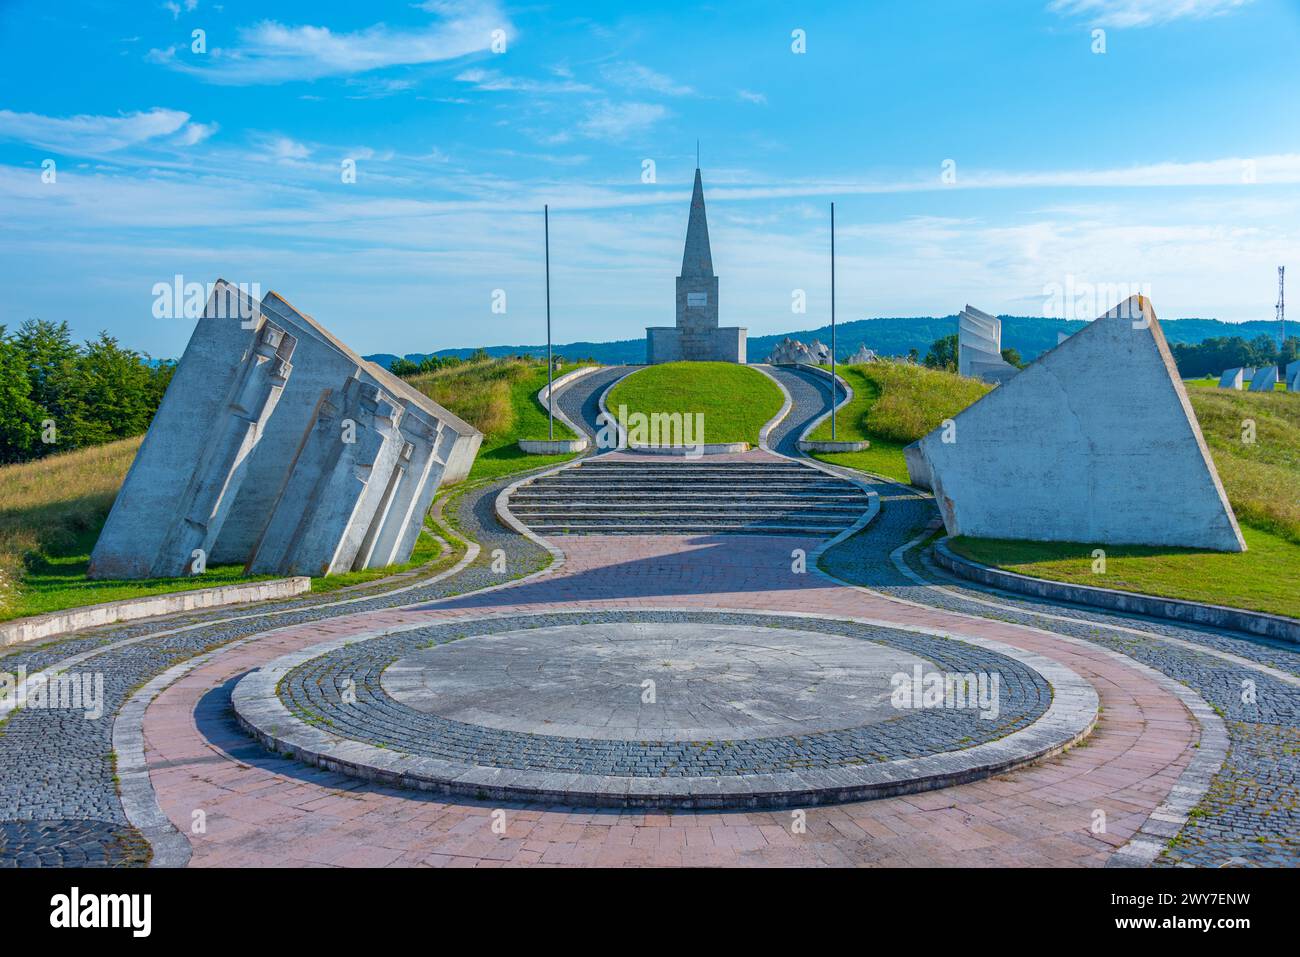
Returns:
<point x="697" y="258"/>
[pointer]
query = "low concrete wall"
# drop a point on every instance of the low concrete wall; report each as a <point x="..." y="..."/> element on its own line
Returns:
<point x="552" y="446"/>
<point x="558" y="446"/>
<point x="807" y="445"/>
<point x="1215" y="616"/>
<point x="129" y="609"/>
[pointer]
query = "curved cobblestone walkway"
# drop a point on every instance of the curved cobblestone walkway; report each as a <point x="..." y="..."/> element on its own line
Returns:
<point x="58" y="801"/>
<point x="1252" y="812"/>
<point x="57" y="767"/>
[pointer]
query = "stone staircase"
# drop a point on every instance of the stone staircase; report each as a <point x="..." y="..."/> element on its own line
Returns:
<point x="619" y="496"/>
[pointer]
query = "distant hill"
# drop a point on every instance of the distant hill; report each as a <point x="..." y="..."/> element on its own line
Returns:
<point x="1029" y="335"/>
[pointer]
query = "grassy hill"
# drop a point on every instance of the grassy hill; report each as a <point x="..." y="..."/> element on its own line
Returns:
<point x="499" y="398"/>
<point x="1262" y="478"/>
<point x="893" y="405"/>
<point x="736" y="401"/>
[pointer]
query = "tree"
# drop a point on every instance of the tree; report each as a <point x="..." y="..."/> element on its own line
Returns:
<point x="56" y="396"/>
<point x="1012" y="356"/>
<point x="943" y="354"/>
<point x="19" y="422"/>
<point x="114" y="390"/>
<point x="403" y="368"/>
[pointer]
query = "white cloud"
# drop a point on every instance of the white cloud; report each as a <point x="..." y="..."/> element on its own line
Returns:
<point x="634" y="76"/>
<point x="175" y="8"/>
<point x="87" y="135"/>
<point x="493" y="81"/>
<point x="617" y="121"/>
<point x="271" y="52"/>
<point x="1144" y="13"/>
<point x="194" y="133"/>
<point x="284" y="148"/>
<point x="750" y="96"/>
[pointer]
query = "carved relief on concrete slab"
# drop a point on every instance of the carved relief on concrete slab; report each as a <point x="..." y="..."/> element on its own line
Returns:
<point x="278" y="447"/>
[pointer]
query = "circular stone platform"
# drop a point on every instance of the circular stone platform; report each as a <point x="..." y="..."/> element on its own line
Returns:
<point x="655" y="708"/>
<point x="709" y="681"/>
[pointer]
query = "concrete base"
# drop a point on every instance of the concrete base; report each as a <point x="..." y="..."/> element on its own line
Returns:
<point x="709" y="448"/>
<point x="719" y="344"/>
<point x="130" y="609"/>
<point x="918" y="467"/>
<point x="552" y="446"/>
<point x="808" y="445"/>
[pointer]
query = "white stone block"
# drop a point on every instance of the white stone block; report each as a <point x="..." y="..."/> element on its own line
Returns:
<point x="1094" y="442"/>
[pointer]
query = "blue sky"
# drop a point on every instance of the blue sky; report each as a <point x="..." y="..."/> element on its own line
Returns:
<point x="1169" y="162"/>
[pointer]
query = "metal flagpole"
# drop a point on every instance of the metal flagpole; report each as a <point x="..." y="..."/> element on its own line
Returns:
<point x="835" y="385"/>
<point x="550" y="365"/>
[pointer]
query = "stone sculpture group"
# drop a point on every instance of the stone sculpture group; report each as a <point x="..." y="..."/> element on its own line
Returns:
<point x="279" y="448"/>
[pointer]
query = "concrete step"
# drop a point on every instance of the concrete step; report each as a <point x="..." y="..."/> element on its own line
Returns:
<point x="617" y="517"/>
<point x="673" y="497"/>
<point x="537" y="493"/>
<point x="687" y="468"/>
<point x="765" y="528"/>
<point x="650" y="486"/>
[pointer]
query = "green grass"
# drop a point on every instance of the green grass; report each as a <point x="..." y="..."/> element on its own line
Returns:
<point x="893" y="405"/>
<point x="1262" y="478"/>
<point x="499" y="398"/>
<point x="57" y="580"/>
<point x="1263" y="578"/>
<point x="735" y="400"/>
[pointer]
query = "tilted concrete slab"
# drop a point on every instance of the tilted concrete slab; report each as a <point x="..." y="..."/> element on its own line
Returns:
<point x="979" y="347"/>
<point x="1265" y="379"/>
<point x="1094" y="442"/>
<point x="1231" y="379"/>
<point x="1293" y="376"/>
<point x="241" y="433"/>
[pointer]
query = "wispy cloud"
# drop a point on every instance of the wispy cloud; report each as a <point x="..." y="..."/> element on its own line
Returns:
<point x="618" y="121"/>
<point x="271" y="52"/>
<point x="175" y="8"/>
<point x="1144" y="13"/>
<point x="493" y="81"/>
<point x="749" y="96"/>
<point x="635" y="76"/>
<point x="280" y="148"/>
<point x="86" y="135"/>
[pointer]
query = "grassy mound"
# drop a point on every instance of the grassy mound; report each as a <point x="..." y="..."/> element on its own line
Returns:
<point x="499" y="398"/>
<point x="735" y="400"/>
<point x="893" y="405"/>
